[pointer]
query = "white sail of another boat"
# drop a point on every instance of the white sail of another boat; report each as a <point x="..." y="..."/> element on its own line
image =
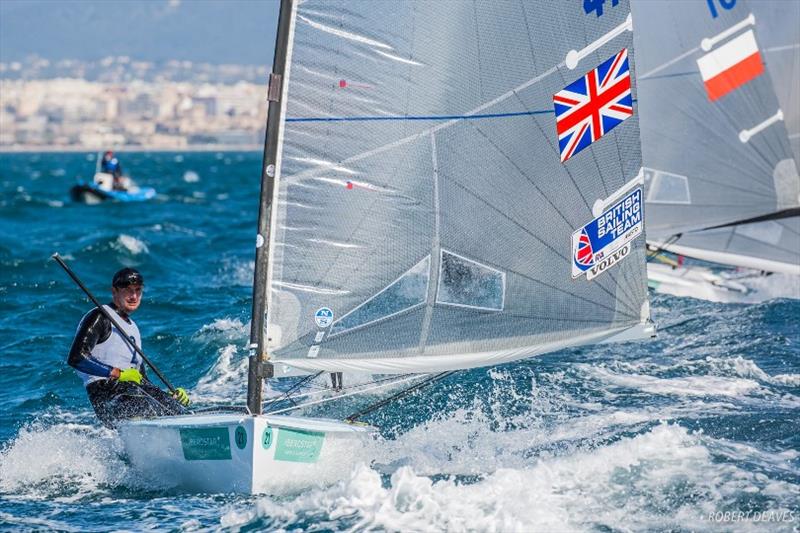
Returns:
<point x="719" y="113"/>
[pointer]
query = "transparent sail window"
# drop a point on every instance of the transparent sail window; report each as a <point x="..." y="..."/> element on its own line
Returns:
<point x="467" y="283"/>
<point x="768" y="232"/>
<point x="666" y="188"/>
<point x="407" y="291"/>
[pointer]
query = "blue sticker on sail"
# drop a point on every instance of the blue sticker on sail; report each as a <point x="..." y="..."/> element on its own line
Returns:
<point x="604" y="241"/>
<point x="323" y="317"/>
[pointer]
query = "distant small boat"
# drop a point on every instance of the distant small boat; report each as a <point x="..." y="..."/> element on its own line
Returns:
<point x="102" y="188"/>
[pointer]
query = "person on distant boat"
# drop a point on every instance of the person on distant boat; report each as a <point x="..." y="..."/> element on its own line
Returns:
<point x="112" y="372"/>
<point x="111" y="165"/>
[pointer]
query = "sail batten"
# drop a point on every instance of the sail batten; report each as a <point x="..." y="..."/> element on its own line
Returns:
<point x="432" y="186"/>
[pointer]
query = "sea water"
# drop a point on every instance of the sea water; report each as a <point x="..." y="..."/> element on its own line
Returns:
<point x="696" y="431"/>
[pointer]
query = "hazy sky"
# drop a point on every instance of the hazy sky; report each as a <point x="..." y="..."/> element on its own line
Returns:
<point x="213" y="31"/>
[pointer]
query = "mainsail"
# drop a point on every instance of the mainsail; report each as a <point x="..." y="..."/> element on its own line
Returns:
<point x="423" y="218"/>
<point x="778" y="27"/>
<point x="719" y="90"/>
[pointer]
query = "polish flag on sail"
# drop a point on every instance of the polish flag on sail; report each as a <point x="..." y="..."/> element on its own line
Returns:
<point x="731" y="65"/>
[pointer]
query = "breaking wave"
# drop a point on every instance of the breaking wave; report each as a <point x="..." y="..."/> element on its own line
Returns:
<point x="665" y="478"/>
<point x="129" y="244"/>
<point x="65" y="460"/>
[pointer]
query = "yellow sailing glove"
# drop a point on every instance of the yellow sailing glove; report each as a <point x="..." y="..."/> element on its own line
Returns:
<point x="130" y="374"/>
<point x="181" y="396"/>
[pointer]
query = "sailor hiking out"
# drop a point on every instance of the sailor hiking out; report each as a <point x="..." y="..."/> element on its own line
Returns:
<point x="112" y="371"/>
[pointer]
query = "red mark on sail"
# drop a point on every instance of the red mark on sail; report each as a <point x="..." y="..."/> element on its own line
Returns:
<point x="350" y="185"/>
<point x="344" y="84"/>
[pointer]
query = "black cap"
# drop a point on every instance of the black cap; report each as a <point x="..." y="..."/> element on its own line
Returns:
<point x="127" y="276"/>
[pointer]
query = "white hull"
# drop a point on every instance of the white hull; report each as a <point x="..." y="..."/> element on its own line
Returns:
<point x="243" y="453"/>
<point x="693" y="281"/>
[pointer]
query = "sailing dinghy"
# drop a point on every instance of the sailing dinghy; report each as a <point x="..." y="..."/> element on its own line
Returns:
<point x="720" y="114"/>
<point x="446" y="185"/>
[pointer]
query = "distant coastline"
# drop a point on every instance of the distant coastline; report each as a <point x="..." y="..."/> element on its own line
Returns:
<point x="23" y="149"/>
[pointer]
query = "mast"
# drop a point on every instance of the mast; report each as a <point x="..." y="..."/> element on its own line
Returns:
<point x="259" y="367"/>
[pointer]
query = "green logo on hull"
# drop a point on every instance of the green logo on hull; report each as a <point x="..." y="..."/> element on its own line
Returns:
<point x="298" y="446"/>
<point x="205" y="444"/>
<point x="266" y="439"/>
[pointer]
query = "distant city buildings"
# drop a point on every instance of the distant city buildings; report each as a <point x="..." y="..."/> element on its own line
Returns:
<point x="117" y="102"/>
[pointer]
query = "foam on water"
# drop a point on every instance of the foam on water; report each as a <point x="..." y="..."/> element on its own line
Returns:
<point x="238" y="273"/>
<point x="66" y="460"/>
<point x="224" y="381"/>
<point x="664" y="478"/>
<point x="772" y="286"/>
<point x="227" y="329"/>
<point x="686" y="386"/>
<point x="191" y="177"/>
<point x="130" y="244"/>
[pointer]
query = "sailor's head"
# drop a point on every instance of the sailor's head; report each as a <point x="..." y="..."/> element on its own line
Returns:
<point x="126" y="288"/>
<point x="108" y="155"/>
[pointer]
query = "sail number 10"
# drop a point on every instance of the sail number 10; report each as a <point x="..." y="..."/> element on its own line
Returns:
<point x="726" y="4"/>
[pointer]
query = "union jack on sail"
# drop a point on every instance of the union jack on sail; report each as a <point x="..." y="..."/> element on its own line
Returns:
<point x="593" y="105"/>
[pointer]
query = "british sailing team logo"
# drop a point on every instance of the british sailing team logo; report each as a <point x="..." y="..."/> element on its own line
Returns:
<point x="605" y="241"/>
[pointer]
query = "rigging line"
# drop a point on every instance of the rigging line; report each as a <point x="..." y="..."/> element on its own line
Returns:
<point x="782" y="48"/>
<point x="731" y="235"/>
<point x="777" y="215"/>
<point x="675" y="75"/>
<point x="658" y="248"/>
<point x="668" y="63"/>
<point x="405" y="392"/>
<point x="325" y="400"/>
<point x="401" y="118"/>
<point x="294" y="387"/>
<point x="785" y="227"/>
<point x="740" y="235"/>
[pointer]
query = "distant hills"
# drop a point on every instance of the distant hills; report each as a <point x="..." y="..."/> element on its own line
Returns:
<point x="211" y="31"/>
